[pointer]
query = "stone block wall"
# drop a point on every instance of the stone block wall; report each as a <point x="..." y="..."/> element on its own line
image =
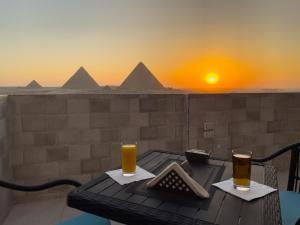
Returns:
<point x="79" y="136"/>
<point x="262" y="123"/>
<point x="5" y="172"/>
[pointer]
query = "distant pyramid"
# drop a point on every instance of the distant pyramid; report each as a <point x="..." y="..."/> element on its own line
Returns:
<point x="34" y="85"/>
<point x="141" y="79"/>
<point x="81" y="80"/>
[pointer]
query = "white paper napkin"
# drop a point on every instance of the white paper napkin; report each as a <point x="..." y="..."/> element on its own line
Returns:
<point x="257" y="190"/>
<point x="140" y="174"/>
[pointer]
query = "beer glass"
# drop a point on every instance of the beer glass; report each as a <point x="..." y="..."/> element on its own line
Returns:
<point x="241" y="161"/>
<point x="128" y="155"/>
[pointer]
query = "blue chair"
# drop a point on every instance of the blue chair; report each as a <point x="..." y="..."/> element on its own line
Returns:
<point x="290" y="199"/>
<point x="290" y="207"/>
<point x="86" y="219"/>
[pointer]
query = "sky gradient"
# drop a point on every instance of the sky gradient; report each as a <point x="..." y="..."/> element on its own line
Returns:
<point x="250" y="44"/>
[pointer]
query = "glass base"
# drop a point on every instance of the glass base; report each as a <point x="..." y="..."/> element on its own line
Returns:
<point x="241" y="188"/>
<point x="128" y="174"/>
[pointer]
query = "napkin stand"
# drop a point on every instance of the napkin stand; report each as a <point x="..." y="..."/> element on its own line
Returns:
<point x="174" y="179"/>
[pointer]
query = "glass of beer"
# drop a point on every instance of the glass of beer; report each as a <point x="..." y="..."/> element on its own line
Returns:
<point x="128" y="155"/>
<point x="241" y="161"/>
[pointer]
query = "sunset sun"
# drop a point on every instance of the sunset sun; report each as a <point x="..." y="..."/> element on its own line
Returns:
<point x="212" y="78"/>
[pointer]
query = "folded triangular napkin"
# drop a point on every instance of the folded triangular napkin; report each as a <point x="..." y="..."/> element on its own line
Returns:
<point x="256" y="190"/>
<point x="174" y="179"/>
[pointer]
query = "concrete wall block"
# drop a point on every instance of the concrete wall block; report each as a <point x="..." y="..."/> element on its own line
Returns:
<point x="157" y="144"/>
<point x="106" y="163"/>
<point x="180" y="103"/>
<point x="3" y="129"/>
<point x="291" y="125"/>
<point x="56" y="122"/>
<point x="247" y="128"/>
<point x="176" y="118"/>
<point x="237" y="141"/>
<point x="274" y="126"/>
<point x="99" y="105"/>
<point x="99" y="120"/>
<point x="175" y="146"/>
<point x="148" y="104"/>
<point x="78" y="152"/>
<point x="119" y="119"/>
<point x="130" y="134"/>
<point x="286" y="137"/>
<point x="157" y="118"/>
<point x="36" y="105"/>
<point x="267" y="101"/>
<point x="90" y="136"/>
<point x="120" y="105"/>
<point x="253" y="115"/>
<point x="69" y="137"/>
<point x="148" y="133"/>
<point x="194" y="131"/>
<point x="267" y="114"/>
<point x="142" y="146"/>
<point x="202" y="103"/>
<point x="100" y="150"/>
<point x="49" y="170"/>
<point x="281" y="114"/>
<point x="56" y="105"/>
<point x="70" y="168"/>
<point x="253" y="102"/>
<point x="110" y="135"/>
<point x="294" y="114"/>
<point x="78" y="105"/>
<point x="91" y="165"/>
<point x="134" y="105"/>
<point x="23" y="139"/>
<point x="238" y="115"/>
<point x="265" y="139"/>
<point x="239" y="102"/>
<point x="221" y="130"/>
<point x="59" y="153"/>
<point x="206" y="144"/>
<point x="33" y="123"/>
<point x="138" y="119"/>
<point x="16" y="157"/>
<point x="197" y="118"/>
<point x="79" y="121"/>
<point x="45" y="139"/>
<point x="217" y="116"/>
<point x="35" y="156"/>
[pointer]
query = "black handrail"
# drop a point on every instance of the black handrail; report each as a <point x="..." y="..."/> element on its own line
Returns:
<point x="294" y="165"/>
<point x="280" y="152"/>
<point x="40" y="187"/>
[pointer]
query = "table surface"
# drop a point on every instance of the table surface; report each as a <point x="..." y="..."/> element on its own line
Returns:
<point x="135" y="204"/>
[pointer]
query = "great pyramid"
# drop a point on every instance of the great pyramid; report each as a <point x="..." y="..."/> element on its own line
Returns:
<point x="81" y="80"/>
<point x="33" y="85"/>
<point x="141" y="79"/>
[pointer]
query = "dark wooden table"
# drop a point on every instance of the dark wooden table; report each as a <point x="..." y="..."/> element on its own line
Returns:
<point x="135" y="204"/>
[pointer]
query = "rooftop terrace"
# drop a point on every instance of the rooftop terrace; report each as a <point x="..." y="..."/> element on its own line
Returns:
<point x="50" y="136"/>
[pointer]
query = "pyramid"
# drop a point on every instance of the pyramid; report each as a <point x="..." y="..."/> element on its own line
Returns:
<point x="81" y="80"/>
<point x="34" y="85"/>
<point x="141" y="79"/>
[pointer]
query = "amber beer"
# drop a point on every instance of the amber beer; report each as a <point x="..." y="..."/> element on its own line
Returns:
<point x="128" y="152"/>
<point x="241" y="162"/>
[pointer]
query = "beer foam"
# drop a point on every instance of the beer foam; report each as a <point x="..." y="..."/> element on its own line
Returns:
<point x="129" y="146"/>
<point x="241" y="156"/>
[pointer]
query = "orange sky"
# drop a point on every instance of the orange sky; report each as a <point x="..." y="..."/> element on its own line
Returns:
<point x="250" y="45"/>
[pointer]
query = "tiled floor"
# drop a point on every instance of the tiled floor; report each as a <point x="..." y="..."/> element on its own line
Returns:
<point x="53" y="211"/>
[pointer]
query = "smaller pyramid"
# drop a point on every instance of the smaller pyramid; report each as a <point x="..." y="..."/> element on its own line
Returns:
<point x="33" y="85"/>
<point x="81" y="79"/>
<point x="141" y="78"/>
